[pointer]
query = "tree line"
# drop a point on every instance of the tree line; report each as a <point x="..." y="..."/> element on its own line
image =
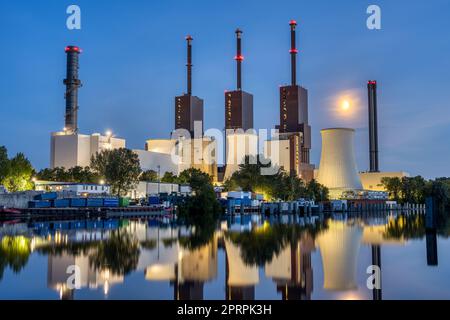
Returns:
<point x="417" y="189"/>
<point x="279" y="186"/>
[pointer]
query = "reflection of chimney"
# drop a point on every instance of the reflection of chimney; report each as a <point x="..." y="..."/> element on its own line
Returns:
<point x="72" y="84"/>
<point x="373" y="126"/>
<point x="189" y="64"/>
<point x="293" y="52"/>
<point x="239" y="58"/>
<point x="376" y="261"/>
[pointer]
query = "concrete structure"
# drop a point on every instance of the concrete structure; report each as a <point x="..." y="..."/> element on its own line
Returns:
<point x="372" y="180"/>
<point x="178" y="154"/>
<point x="80" y="189"/>
<point x="70" y="150"/>
<point x="239" y="145"/>
<point x="279" y="153"/>
<point x="294" y="125"/>
<point x="18" y="200"/>
<point x="157" y="161"/>
<point x="338" y="170"/>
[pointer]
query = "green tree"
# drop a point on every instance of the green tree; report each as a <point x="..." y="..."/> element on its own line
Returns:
<point x="4" y="163"/>
<point x="119" y="167"/>
<point x="202" y="208"/>
<point x="440" y="191"/>
<point x="19" y="174"/>
<point x="290" y="187"/>
<point x="149" y="175"/>
<point x="317" y="191"/>
<point x="169" y="177"/>
<point x="393" y="185"/>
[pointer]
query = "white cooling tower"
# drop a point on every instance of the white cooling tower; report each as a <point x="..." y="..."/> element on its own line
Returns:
<point x="338" y="170"/>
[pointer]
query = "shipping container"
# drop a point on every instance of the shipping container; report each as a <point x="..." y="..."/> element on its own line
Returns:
<point x="46" y="196"/>
<point x="39" y="204"/>
<point x="111" y="202"/>
<point x="78" y="202"/>
<point x="124" y="202"/>
<point x="60" y="203"/>
<point x="153" y="200"/>
<point x="94" y="202"/>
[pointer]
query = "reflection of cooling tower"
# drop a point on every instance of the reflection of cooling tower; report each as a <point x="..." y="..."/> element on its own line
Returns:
<point x="240" y="274"/>
<point x="338" y="168"/>
<point x="339" y="247"/>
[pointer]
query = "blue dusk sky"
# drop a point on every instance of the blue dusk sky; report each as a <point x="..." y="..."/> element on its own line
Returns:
<point x="133" y="64"/>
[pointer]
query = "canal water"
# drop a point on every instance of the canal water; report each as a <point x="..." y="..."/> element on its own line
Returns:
<point x="251" y="257"/>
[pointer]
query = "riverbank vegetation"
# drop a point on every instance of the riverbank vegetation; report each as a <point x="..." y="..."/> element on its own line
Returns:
<point x="276" y="186"/>
<point x="15" y="173"/>
<point x="417" y="189"/>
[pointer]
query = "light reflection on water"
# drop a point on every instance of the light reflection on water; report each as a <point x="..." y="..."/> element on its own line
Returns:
<point x="243" y="258"/>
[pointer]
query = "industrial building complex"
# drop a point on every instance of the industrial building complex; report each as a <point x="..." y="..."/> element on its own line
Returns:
<point x="188" y="147"/>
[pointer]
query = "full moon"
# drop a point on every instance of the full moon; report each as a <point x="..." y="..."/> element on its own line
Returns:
<point x="345" y="105"/>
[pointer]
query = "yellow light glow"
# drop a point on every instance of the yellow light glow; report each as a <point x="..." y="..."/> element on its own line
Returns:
<point x="345" y="105"/>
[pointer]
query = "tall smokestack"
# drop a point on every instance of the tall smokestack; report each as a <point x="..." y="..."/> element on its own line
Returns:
<point x="293" y="53"/>
<point x="72" y="84"/>
<point x="239" y="58"/>
<point x="189" y="64"/>
<point x="373" y="126"/>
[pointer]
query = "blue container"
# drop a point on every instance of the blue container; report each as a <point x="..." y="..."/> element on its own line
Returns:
<point x="111" y="202"/>
<point x="153" y="200"/>
<point x="111" y="224"/>
<point x="60" y="203"/>
<point x="78" y="202"/>
<point x="46" y="196"/>
<point x="94" y="224"/>
<point x="39" y="204"/>
<point x="61" y="226"/>
<point x="78" y="225"/>
<point x="94" y="202"/>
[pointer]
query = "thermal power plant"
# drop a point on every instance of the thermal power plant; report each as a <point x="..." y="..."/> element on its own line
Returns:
<point x="241" y="138"/>
<point x="68" y="148"/>
<point x="373" y="126"/>
<point x="294" y="125"/>
<point x="189" y="108"/>
<point x="338" y="170"/>
<point x="187" y="146"/>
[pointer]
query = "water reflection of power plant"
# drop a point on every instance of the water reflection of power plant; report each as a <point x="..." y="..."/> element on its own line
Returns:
<point x="166" y="255"/>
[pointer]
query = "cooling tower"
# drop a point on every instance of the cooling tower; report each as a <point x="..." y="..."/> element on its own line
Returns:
<point x="338" y="170"/>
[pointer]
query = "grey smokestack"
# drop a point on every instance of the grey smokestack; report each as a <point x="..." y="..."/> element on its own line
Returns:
<point x="72" y="84"/>
<point x="239" y="58"/>
<point x="293" y="53"/>
<point x="373" y="126"/>
<point x="189" y="64"/>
